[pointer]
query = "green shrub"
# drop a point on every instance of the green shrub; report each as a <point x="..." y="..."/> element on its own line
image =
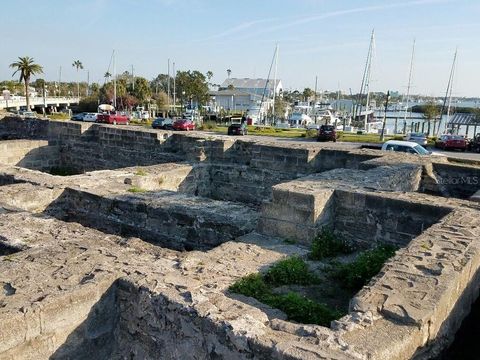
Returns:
<point x="311" y="133"/>
<point x="296" y="307"/>
<point x="358" y="273"/>
<point x="304" y="310"/>
<point x="292" y="270"/>
<point x="208" y="125"/>
<point x="398" y="137"/>
<point x="327" y="244"/>
<point x="252" y="285"/>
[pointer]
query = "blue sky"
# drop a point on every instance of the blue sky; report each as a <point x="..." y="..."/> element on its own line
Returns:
<point x="324" y="38"/>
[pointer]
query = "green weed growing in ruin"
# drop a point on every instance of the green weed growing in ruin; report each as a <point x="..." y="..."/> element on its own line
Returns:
<point x="358" y="273"/>
<point x="295" y="306"/>
<point x="292" y="270"/>
<point x="326" y="244"/>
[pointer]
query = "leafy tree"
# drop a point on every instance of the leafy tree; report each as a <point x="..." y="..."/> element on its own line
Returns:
<point x="160" y="83"/>
<point x="307" y="93"/>
<point x="431" y="112"/>
<point x="78" y="65"/>
<point x="192" y="85"/>
<point x="161" y="100"/>
<point x="27" y="67"/>
<point x="280" y="107"/>
<point x="142" y="89"/>
<point x="106" y="91"/>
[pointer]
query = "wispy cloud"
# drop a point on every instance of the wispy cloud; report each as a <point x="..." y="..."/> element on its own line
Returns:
<point x="238" y="28"/>
<point x="338" y="13"/>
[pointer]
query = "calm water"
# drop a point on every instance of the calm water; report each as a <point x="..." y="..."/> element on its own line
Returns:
<point x="391" y="124"/>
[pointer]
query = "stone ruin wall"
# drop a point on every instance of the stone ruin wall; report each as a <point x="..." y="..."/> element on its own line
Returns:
<point x="115" y="297"/>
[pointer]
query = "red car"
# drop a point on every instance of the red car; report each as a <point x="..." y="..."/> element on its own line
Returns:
<point x="327" y="133"/>
<point x="113" y="118"/>
<point x="451" y="142"/>
<point x="183" y="124"/>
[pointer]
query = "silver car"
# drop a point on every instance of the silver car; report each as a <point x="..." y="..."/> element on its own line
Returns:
<point x="419" y="138"/>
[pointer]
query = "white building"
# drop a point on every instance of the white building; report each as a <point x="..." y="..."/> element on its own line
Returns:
<point x="254" y="86"/>
<point x="237" y="101"/>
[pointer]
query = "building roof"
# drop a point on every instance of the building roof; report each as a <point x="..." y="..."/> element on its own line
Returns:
<point x="464" y="119"/>
<point x="248" y="83"/>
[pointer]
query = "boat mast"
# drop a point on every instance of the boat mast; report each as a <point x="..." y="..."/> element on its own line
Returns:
<point x="365" y="81"/>
<point x="168" y="88"/>
<point x="266" y="83"/>
<point x="114" y="82"/>
<point x="275" y="82"/>
<point x="448" y="94"/>
<point x="369" y="74"/>
<point x="409" y="85"/>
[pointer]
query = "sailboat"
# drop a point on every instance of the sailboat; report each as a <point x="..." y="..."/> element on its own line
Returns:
<point x="448" y="96"/>
<point x="274" y="61"/>
<point x="361" y="114"/>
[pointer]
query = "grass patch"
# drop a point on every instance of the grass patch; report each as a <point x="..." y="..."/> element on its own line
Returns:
<point x="367" y="138"/>
<point x="296" y="307"/>
<point x="303" y="310"/>
<point x="326" y="244"/>
<point x="59" y="116"/>
<point x="292" y="270"/>
<point x="136" y="189"/>
<point x="358" y="273"/>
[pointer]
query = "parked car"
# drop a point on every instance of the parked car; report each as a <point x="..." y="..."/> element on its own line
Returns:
<point x="113" y="118"/>
<point x="451" y="142"/>
<point x="474" y="144"/>
<point x="408" y="147"/>
<point x="30" y="114"/>
<point x="162" y="123"/>
<point x="419" y="138"/>
<point x="237" y="129"/>
<point x="183" y="124"/>
<point x="78" y="117"/>
<point x="327" y="133"/>
<point x="91" y="117"/>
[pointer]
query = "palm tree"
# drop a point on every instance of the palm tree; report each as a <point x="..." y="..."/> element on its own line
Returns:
<point x="107" y="76"/>
<point x="229" y="72"/>
<point x="78" y="64"/>
<point x="27" y="68"/>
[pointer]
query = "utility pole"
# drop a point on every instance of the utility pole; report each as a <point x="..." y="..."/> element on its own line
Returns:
<point x="60" y="81"/>
<point x="88" y="81"/>
<point x="275" y="83"/>
<point x="174" y="89"/>
<point x="168" y="87"/>
<point x="133" y="80"/>
<point x="315" y="98"/>
<point x="114" y="82"/>
<point x="382" y="135"/>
